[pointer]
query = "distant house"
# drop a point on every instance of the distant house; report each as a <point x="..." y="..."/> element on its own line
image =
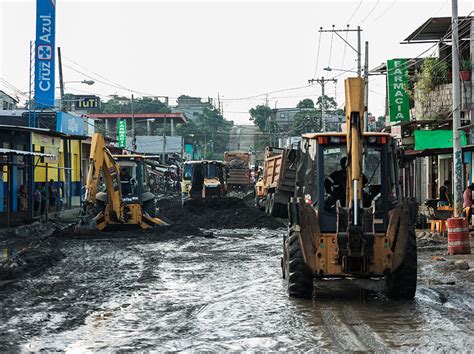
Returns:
<point x="192" y="107"/>
<point x="285" y="117"/>
<point x="7" y="101"/>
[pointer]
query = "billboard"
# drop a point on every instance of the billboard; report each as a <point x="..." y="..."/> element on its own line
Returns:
<point x="44" y="53"/>
<point x="398" y="98"/>
<point x="69" y="124"/>
<point x="83" y="102"/>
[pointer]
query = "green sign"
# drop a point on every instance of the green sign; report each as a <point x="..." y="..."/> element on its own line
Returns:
<point x="436" y="139"/>
<point x="398" y="98"/>
<point x="122" y="133"/>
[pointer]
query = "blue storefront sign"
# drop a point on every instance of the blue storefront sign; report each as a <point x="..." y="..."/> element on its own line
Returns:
<point x="44" y="53"/>
<point x="69" y="124"/>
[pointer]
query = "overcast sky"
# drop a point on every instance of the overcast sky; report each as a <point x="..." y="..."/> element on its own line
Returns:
<point x="236" y="49"/>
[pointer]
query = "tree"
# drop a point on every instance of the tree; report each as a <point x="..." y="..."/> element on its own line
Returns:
<point x="306" y="103"/>
<point x="122" y="104"/>
<point x="261" y="116"/>
<point x="210" y="131"/>
<point x="329" y="103"/>
<point x="306" y="121"/>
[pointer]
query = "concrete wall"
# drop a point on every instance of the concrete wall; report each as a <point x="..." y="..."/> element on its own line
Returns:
<point x="439" y="102"/>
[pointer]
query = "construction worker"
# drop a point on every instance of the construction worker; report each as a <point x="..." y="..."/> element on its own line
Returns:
<point x="335" y="185"/>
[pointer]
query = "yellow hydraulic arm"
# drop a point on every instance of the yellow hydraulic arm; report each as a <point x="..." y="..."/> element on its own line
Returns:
<point x="100" y="159"/>
<point x="354" y="90"/>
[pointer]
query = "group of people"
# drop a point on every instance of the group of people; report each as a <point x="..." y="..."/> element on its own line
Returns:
<point x="467" y="197"/>
<point x="43" y="194"/>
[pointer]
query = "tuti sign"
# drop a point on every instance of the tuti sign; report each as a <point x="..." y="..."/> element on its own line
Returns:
<point x="44" y="53"/>
<point x="398" y="98"/>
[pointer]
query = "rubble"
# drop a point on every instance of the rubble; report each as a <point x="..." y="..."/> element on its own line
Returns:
<point x="215" y="213"/>
<point x="462" y="264"/>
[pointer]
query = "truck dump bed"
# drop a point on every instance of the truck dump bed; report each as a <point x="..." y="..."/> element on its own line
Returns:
<point x="238" y="168"/>
<point x="280" y="169"/>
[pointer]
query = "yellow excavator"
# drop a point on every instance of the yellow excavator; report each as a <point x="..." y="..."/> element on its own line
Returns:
<point x="102" y="209"/>
<point x="347" y="218"/>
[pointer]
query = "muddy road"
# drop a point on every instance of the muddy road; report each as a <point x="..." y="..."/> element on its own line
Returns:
<point x="177" y="292"/>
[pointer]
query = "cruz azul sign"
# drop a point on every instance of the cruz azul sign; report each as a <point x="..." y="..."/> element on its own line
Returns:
<point x="44" y="53"/>
<point x="398" y="98"/>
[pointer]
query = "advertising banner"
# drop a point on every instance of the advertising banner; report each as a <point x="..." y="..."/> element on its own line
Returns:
<point x="44" y="53"/>
<point x="398" y="98"/>
<point x="87" y="103"/>
<point x="69" y="124"/>
<point x="122" y="133"/>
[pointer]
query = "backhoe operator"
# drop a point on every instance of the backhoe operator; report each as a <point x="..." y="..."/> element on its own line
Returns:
<point x="125" y="181"/>
<point x="335" y="185"/>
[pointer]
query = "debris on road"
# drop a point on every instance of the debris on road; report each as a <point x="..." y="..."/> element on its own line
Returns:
<point x="215" y="213"/>
<point x="462" y="264"/>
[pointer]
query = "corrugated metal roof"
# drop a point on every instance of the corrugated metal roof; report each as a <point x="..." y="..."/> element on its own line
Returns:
<point x="435" y="28"/>
<point x="21" y="152"/>
<point x="180" y="116"/>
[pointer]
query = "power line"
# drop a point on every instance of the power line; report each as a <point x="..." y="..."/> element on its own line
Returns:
<point x="355" y="11"/>
<point x="370" y="13"/>
<point x="386" y="10"/>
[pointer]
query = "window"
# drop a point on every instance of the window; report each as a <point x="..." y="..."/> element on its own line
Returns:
<point x="282" y="115"/>
<point x="334" y="157"/>
<point x="372" y="170"/>
<point x="187" y="172"/>
<point x="211" y="171"/>
<point x="334" y="176"/>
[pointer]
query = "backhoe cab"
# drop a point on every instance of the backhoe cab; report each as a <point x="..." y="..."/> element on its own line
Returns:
<point x="124" y="200"/>
<point x="347" y="219"/>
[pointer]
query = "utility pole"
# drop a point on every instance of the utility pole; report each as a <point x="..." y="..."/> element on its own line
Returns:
<point x="30" y="83"/>
<point x="322" y="81"/>
<point x="358" y="50"/>
<point x="61" y="81"/>
<point x="134" y="138"/>
<point x="366" y="80"/>
<point x="457" y="152"/>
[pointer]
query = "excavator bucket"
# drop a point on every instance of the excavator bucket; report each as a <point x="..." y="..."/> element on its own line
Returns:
<point x="85" y="226"/>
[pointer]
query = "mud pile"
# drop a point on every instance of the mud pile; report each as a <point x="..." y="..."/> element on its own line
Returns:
<point x="29" y="249"/>
<point x="215" y="213"/>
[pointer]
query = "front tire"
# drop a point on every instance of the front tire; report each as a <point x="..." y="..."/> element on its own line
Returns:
<point x="149" y="207"/>
<point x="299" y="279"/>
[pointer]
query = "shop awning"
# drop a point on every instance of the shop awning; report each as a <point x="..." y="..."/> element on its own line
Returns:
<point x="435" y="139"/>
<point x="21" y="152"/>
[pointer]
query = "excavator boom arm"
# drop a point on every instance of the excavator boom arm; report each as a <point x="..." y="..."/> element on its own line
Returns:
<point x="354" y="90"/>
<point x="100" y="159"/>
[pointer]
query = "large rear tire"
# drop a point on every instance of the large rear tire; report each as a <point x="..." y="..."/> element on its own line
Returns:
<point x="275" y="208"/>
<point x="283" y="210"/>
<point x="401" y="283"/>
<point x="299" y="279"/>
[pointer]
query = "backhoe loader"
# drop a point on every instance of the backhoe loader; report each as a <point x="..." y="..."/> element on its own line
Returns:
<point x="124" y="201"/>
<point x="347" y="219"/>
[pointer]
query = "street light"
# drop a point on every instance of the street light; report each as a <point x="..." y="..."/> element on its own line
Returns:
<point x="87" y="82"/>
<point x="343" y="70"/>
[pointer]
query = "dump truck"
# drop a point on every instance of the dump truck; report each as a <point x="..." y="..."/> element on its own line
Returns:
<point x="238" y="170"/>
<point x="347" y="218"/>
<point x="203" y="179"/>
<point x="125" y="199"/>
<point x="276" y="185"/>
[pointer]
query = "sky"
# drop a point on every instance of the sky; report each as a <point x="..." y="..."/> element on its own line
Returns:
<point x="244" y="52"/>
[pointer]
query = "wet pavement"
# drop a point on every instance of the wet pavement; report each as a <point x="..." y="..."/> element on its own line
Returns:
<point x="220" y="293"/>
